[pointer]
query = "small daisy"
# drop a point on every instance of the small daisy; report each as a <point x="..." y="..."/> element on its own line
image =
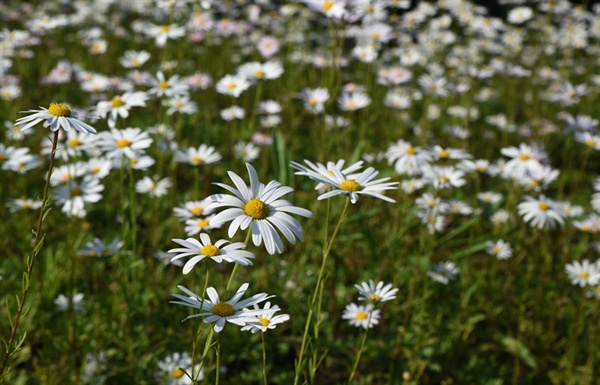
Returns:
<point x="375" y="293"/>
<point x="196" y="225"/>
<point x="583" y="273"/>
<point x="247" y="152"/>
<point x="119" y="106"/>
<point x="74" y="195"/>
<point x="259" y="207"/>
<point x="172" y="369"/>
<point x="15" y="205"/>
<point x="363" y="316"/>
<point x="541" y="212"/>
<point x="353" y="101"/>
<point x="219" y="252"/>
<point x="58" y="115"/>
<point x="127" y="142"/>
<point x="499" y="249"/>
<point x="63" y="303"/>
<point x="152" y="186"/>
<point x="314" y="99"/>
<point x="214" y="310"/>
<point x="198" y="156"/>
<point x="191" y="209"/>
<point x="134" y="59"/>
<point x="232" y="85"/>
<point x="443" y="272"/>
<point x="98" y="248"/>
<point x="266" y="321"/>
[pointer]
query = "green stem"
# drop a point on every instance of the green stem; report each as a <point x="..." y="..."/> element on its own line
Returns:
<point x="318" y="293"/>
<point x="195" y="375"/>
<point x="218" y="368"/>
<point x="37" y="243"/>
<point x="360" y="349"/>
<point x="264" y="358"/>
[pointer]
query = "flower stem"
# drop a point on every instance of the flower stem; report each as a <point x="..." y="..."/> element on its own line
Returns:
<point x="317" y="295"/>
<point x="218" y="368"/>
<point x="264" y="358"/>
<point x="360" y="349"/>
<point x="37" y="244"/>
<point x="195" y="375"/>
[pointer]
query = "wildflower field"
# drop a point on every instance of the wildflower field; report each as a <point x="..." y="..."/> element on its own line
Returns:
<point x="299" y="192"/>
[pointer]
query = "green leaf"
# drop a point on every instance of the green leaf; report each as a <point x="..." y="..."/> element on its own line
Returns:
<point x="517" y="349"/>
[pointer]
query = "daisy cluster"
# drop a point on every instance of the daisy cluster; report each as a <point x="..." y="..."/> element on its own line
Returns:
<point x="478" y="131"/>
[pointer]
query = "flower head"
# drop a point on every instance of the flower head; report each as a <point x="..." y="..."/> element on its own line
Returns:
<point x="259" y="206"/>
<point x="58" y="115"/>
<point x="375" y="293"/>
<point x="361" y="315"/>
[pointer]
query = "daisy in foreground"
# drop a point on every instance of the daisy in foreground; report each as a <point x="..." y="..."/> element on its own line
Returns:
<point x="258" y="206"/>
<point x="58" y="115"/>
<point x="361" y="315"/>
<point x="219" y="251"/>
<point x="352" y="185"/>
<point x="233" y="311"/>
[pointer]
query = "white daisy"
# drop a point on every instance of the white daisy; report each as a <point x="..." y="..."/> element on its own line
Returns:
<point x="58" y="115"/>
<point x="219" y="252"/>
<point x="583" y="273"/>
<point x="541" y="212"/>
<point x="375" y="293"/>
<point x="361" y="315"/>
<point x="259" y="206"/>
<point x="263" y="322"/>
<point x="499" y="249"/>
<point x="214" y="310"/>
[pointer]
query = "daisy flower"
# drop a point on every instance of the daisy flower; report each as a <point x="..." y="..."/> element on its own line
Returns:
<point x="259" y="206"/>
<point x="319" y="170"/>
<point x="355" y="185"/>
<point x="219" y="252"/>
<point x="352" y="101"/>
<point x="191" y="209"/>
<point x="196" y="225"/>
<point x="232" y="85"/>
<point x="583" y="273"/>
<point x="74" y="195"/>
<point x="541" y="212"/>
<point x="134" y="59"/>
<point x="172" y="369"/>
<point x="181" y="104"/>
<point x="15" y="205"/>
<point x="363" y="316"/>
<point x="174" y="86"/>
<point x="375" y="293"/>
<point x="218" y="312"/>
<point x="247" y="152"/>
<point x="255" y="71"/>
<point x="58" y="115"/>
<point x="443" y="272"/>
<point x="407" y="159"/>
<point x="263" y="322"/>
<point x="163" y="32"/>
<point x="63" y="303"/>
<point x="153" y="186"/>
<point x="499" y="249"/>
<point x="98" y="248"/>
<point x="119" y="106"/>
<point x="314" y="99"/>
<point x="126" y="142"/>
<point x="198" y="156"/>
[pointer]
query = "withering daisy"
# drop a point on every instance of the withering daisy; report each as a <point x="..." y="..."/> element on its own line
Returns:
<point x="259" y="206"/>
<point x="58" y="115"/>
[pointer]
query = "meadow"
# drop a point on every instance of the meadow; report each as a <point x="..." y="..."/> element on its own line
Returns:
<point x="307" y="192"/>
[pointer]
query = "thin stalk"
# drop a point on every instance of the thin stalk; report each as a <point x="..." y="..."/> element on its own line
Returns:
<point x="317" y="293"/>
<point x="195" y="375"/>
<point x="361" y="348"/>
<point x="264" y="358"/>
<point x="218" y="369"/>
<point x="37" y="243"/>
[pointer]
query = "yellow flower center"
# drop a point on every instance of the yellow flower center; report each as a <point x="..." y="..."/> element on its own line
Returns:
<point x="361" y="315"/>
<point x="196" y="160"/>
<point x="106" y="251"/>
<point x="76" y="192"/>
<point x="524" y="157"/>
<point x="496" y="249"/>
<point x="432" y="220"/>
<point x="66" y="177"/>
<point x="312" y="101"/>
<point x="135" y="62"/>
<point x="197" y="210"/>
<point x="585" y="228"/>
<point x="444" y="179"/>
<point x="350" y="185"/>
<point x="74" y="142"/>
<point x="375" y="35"/>
<point x="584" y="275"/>
<point x="327" y="5"/>
<point x="370" y="9"/>
<point x="223" y="309"/>
<point x="590" y="142"/>
<point x="264" y="321"/>
<point x="232" y="86"/>
<point x="444" y="153"/>
<point x="59" y="109"/>
<point x="259" y="73"/>
<point x="543" y="206"/>
<point x="351" y="105"/>
<point x="3" y="158"/>
<point x="202" y="223"/>
<point x="374" y="297"/>
<point x="411" y="151"/>
<point x="210" y="251"/>
<point x="133" y="161"/>
<point x="163" y="85"/>
<point x="122" y="143"/>
<point x="256" y="209"/>
<point x="116" y="102"/>
<point x="95" y="170"/>
<point x="164" y="28"/>
<point x="177" y="373"/>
